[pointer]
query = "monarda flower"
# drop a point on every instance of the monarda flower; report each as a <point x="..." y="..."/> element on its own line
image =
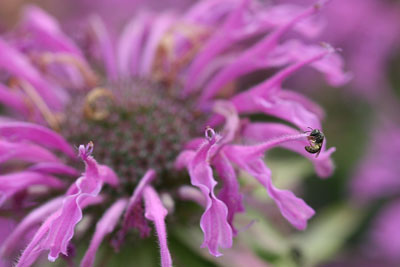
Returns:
<point x="135" y="108"/>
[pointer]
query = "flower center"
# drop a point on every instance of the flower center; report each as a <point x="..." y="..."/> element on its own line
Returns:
<point x="135" y="125"/>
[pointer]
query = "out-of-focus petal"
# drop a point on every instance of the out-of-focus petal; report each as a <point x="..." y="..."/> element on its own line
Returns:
<point x="105" y="45"/>
<point x="105" y="226"/>
<point x="130" y="44"/>
<point x="18" y="65"/>
<point x="54" y="168"/>
<point x="34" y="218"/>
<point x="18" y="131"/>
<point x="13" y="100"/>
<point x="12" y="183"/>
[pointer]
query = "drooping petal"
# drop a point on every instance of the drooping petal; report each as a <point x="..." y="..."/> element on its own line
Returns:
<point x="259" y="132"/>
<point x="183" y="159"/>
<point x="12" y="183"/>
<point x="155" y="211"/>
<point x="216" y="229"/>
<point x="35" y="217"/>
<point x="105" y="226"/>
<point x="18" y="131"/>
<point x="229" y="192"/>
<point x="187" y="192"/>
<point x="294" y="209"/>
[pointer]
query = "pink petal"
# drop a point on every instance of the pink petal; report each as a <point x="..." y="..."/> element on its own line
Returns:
<point x="12" y="183"/>
<point x="155" y="211"/>
<point x="61" y="229"/>
<point x="106" y="46"/>
<point x="18" y="65"/>
<point x="259" y="132"/>
<point x="217" y="231"/>
<point x="229" y="192"/>
<point x="25" y="152"/>
<point x="191" y="193"/>
<point x="130" y="44"/>
<point x="13" y="100"/>
<point x="294" y="209"/>
<point x="35" y="217"/>
<point x="134" y="204"/>
<point x="159" y="27"/>
<point x="54" y="168"/>
<point x="18" y="131"/>
<point x="105" y="226"/>
<point x="46" y="31"/>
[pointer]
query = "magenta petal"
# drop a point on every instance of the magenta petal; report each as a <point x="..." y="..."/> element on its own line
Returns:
<point x="13" y="100"/>
<point x="228" y="110"/>
<point x="187" y="192"/>
<point x="54" y="168"/>
<point x="130" y="44"/>
<point x="217" y="231"/>
<point x="183" y="159"/>
<point x="155" y="211"/>
<point x="35" y="217"/>
<point x="158" y="28"/>
<point x="294" y="209"/>
<point x="105" y="45"/>
<point x="259" y="132"/>
<point x="14" y="182"/>
<point x="46" y="31"/>
<point x="88" y="186"/>
<point x="25" y="152"/>
<point x="18" y="131"/>
<point x="105" y="226"/>
<point x="229" y="192"/>
<point x="250" y="60"/>
<point x="131" y="217"/>
<point x="18" y="65"/>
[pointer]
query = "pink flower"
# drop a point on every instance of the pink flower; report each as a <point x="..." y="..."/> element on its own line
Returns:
<point x="143" y="99"/>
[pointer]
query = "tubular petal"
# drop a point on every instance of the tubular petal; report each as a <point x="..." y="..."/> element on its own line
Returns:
<point x="104" y="226"/>
<point x="155" y="211"/>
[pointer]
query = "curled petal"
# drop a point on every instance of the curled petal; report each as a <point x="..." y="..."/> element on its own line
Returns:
<point x="155" y="211"/>
<point x="38" y="242"/>
<point x="228" y="110"/>
<point x="18" y="131"/>
<point x="294" y="209"/>
<point x="12" y="183"/>
<point x="217" y="231"/>
<point x="35" y="217"/>
<point x="61" y="229"/>
<point x="105" y="226"/>
<point x="229" y="192"/>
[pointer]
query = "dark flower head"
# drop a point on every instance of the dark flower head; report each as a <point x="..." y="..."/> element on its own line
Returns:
<point x="139" y="105"/>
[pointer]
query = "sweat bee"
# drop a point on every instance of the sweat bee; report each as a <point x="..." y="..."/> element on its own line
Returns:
<point x="316" y="139"/>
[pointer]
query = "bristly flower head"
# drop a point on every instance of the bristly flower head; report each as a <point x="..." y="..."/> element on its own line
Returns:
<point x="140" y="104"/>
